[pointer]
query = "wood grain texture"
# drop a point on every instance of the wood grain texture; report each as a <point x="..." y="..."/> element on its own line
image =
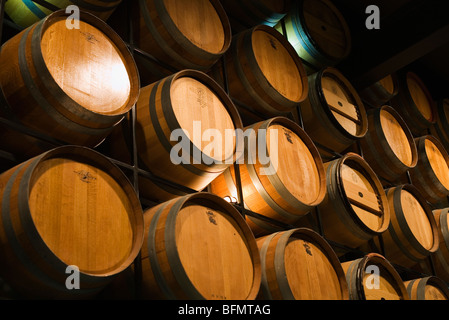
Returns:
<point x="388" y="146"/>
<point x="412" y="235"/>
<point x="199" y="247"/>
<point x="87" y="66"/>
<point x="190" y="34"/>
<point x="68" y="207"/>
<point x="194" y="103"/>
<point x="430" y="175"/>
<point x="299" y="264"/>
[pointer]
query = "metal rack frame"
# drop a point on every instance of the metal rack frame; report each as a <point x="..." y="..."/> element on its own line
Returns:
<point x="137" y="171"/>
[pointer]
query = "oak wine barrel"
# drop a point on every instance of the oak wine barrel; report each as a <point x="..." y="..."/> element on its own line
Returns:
<point x="199" y="247"/>
<point x="427" y="288"/>
<point x="249" y="13"/>
<point x="318" y="32"/>
<point x="333" y="114"/>
<point x="355" y="208"/>
<point x="25" y="13"/>
<point x="388" y="146"/>
<point x="414" y="102"/>
<point x="380" y="92"/>
<point x="52" y="84"/>
<point x="372" y="277"/>
<point x="186" y="133"/>
<point x="260" y="86"/>
<point x="441" y="256"/>
<point x="431" y="173"/>
<point x="178" y="40"/>
<point x="282" y="174"/>
<point x="69" y="206"/>
<point x="298" y="264"/>
<point x="412" y="235"/>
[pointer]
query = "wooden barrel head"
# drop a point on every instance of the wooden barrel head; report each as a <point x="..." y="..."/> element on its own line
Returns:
<point x="412" y="235"/>
<point x="439" y="161"/>
<point x="200" y="111"/>
<point x="327" y="28"/>
<point x="180" y="35"/>
<point x="91" y="224"/>
<point x="397" y="138"/>
<point x="417" y="219"/>
<point x="299" y="264"/>
<point x="283" y="75"/>
<point x="224" y="267"/>
<point x="70" y="207"/>
<point x="420" y="96"/>
<point x="201" y="26"/>
<point x="430" y="175"/>
<point x="296" y="168"/>
<point x="199" y="247"/>
<point x="86" y="64"/>
<point x="306" y="259"/>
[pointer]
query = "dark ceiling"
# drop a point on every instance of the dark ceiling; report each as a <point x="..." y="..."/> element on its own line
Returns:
<point x="413" y="34"/>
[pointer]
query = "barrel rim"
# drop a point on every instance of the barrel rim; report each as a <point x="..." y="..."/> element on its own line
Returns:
<point x="227" y="208"/>
<point x="227" y="103"/>
<point x="338" y="75"/>
<point x="405" y="128"/>
<point x="378" y="259"/>
<point x="420" y="293"/>
<point x="289" y="124"/>
<point x="292" y="53"/>
<point x="404" y="227"/>
<point x="320" y="241"/>
<point x="123" y="50"/>
<point x="351" y="156"/>
<point x="174" y="32"/>
<point x="95" y="157"/>
<point x="421" y="147"/>
<point x="404" y="76"/>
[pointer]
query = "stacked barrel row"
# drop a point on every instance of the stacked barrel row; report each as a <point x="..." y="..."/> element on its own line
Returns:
<point x="319" y="168"/>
